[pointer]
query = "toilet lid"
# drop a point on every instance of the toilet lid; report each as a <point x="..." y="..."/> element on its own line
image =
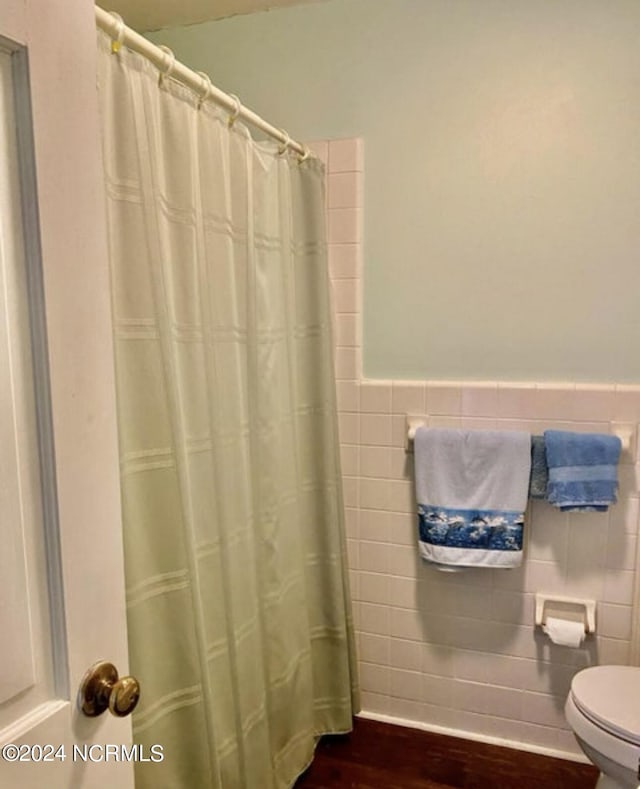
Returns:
<point x="610" y="696"/>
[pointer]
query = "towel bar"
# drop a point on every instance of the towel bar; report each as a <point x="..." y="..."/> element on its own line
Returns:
<point x="625" y="431"/>
<point x="413" y="423"/>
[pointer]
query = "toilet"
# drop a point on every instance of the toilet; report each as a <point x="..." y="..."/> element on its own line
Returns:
<point x="603" y="709"/>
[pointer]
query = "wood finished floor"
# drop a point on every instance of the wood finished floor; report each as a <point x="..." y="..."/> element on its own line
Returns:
<point x="380" y="756"/>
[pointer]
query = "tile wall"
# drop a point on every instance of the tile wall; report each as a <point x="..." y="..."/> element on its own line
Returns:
<point x="460" y="652"/>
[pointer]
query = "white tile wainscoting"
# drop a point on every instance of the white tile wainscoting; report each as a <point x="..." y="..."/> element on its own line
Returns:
<point x="459" y="652"/>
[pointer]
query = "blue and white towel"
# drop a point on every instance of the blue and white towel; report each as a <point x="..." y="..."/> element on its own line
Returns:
<point x="583" y="472"/>
<point x="471" y="490"/>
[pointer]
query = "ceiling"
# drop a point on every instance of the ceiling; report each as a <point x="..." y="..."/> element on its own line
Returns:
<point x="146" y="15"/>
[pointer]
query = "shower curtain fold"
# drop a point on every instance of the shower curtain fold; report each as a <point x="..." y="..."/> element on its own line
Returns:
<point x="237" y="589"/>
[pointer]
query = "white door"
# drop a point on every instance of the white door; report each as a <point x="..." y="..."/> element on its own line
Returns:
<point x="61" y="574"/>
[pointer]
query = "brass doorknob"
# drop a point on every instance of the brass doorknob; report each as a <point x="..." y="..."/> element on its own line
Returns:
<point x="102" y="689"/>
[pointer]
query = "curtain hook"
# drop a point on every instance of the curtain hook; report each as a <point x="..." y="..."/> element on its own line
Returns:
<point x="305" y="155"/>
<point x="170" y="65"/>
<point x="236" y="110"/>
<point x="116" y="42"/>
<point x="285" y="143"/>
<point x="208" y="88"/>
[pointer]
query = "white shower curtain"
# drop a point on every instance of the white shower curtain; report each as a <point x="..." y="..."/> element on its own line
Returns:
<point x="237" y="593"/>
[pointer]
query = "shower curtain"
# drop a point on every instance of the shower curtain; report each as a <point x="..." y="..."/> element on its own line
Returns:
<point x="237" y="593"/>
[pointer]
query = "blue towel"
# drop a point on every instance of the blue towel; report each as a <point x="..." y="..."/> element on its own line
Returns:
<point x="539" y="470"/>
<point x="471" y="491"/>
<point x="582" y="470"/>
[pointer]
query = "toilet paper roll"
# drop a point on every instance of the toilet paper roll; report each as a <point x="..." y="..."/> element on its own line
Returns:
<point x="564" y="632"/>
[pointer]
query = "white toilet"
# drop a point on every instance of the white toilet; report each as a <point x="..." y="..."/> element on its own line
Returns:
<point x="603" y="709"/>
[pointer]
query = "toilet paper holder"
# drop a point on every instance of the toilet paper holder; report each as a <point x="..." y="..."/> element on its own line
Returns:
<point x="588" y="606"/>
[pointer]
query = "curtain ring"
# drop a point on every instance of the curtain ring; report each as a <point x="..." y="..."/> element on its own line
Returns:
<point x="208" y="89"/>
<point x="287" y="140"/>
<point x="170" y="66"/>
<point x="236" y="110"/>
<point x="116" y="42"/>
<point x="304" y="156"/>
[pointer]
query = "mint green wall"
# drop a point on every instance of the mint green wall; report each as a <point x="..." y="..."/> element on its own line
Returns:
<point x="502" y="170"/>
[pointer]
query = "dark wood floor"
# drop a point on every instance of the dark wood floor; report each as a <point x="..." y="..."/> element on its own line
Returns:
<point x="379" y="756"/>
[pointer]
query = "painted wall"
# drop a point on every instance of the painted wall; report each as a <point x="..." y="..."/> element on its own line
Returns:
<point x="460" y="653"/>
<point x="503" y="176"/>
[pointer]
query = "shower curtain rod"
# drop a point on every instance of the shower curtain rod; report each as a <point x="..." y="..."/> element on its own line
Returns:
<point x="165" y="61"/>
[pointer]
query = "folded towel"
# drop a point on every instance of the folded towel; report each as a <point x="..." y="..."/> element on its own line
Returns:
<point x="471" y="490"/>
<point x="582" y="470"/>
<point x="539" y="470"/>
